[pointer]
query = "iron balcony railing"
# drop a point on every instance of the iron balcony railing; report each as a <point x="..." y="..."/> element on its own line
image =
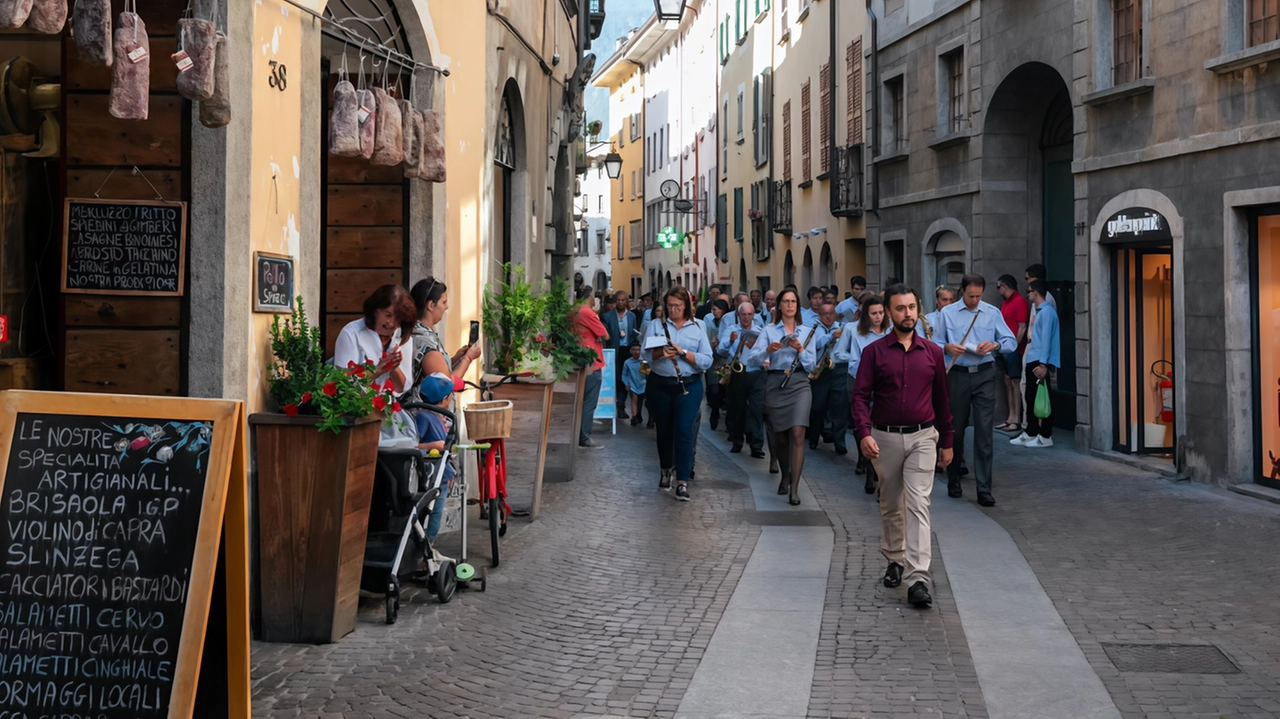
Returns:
<point x="782" y="207"/>
<point x="847" y="199"/>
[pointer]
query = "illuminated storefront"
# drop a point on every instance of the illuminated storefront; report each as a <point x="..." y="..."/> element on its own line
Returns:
<point x="1265" y="241"/>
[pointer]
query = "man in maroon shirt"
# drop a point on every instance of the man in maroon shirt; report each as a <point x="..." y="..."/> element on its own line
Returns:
<point x="902" y="419"/>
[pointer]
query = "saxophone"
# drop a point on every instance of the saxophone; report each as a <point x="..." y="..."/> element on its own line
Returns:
<point x="823" y="361"/>
<point x="734" y="366"/>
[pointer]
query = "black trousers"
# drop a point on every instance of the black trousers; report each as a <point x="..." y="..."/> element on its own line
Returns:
<point x="715" y="396"/>
<point x="620" y="357"/>
<point x="745" y="409"/>
<point x="830" y="405"/>
<point x="1036" y="427"/>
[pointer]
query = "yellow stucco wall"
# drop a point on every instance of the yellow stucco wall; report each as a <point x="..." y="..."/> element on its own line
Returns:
<point x="275" y="189"/>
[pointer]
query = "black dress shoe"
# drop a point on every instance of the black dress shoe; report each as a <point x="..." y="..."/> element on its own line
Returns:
<point x="861" y="467"/>
<point x="985" y="499"/>
<point x="918" y="596"/>
<point x="827" y="438"/>
<point x="622" y="414"/>
<point x="736" y="448"/>
<point x="954" y="490"/>
<point x="842" y="450"/>
<point x="784" y="487"/>
<point x="964" y="471"/>
<point x="869" y="486"/>
<point x="893" y="575"/>
<point x="757" y="454"/>
<point x="794" y="501"/>
<point x="813" y="444"/>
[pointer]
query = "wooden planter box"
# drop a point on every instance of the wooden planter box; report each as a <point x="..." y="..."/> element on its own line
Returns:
<point x="313" y="495"/>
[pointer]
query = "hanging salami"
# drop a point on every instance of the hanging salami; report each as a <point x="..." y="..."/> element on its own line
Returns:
<point x="197" y="48"/>
<point x="48" y="16"/>
<point x="131" y="73"/>
<point x="344" y="120"/>
<point x="14" y="12"/>
<point x="388" y="145"/>
<point x="216" y="111"/>
<point x="91" y="28"/>
<point x="413" y="149"/>
<point x="368" y="118"/>
<point x="433" y="164"/>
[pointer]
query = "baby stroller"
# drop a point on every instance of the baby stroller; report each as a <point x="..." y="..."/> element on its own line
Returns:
<point x="406" y="484"/>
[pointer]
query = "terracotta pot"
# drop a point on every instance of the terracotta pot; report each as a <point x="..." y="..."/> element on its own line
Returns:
<point x="313" y="495"/>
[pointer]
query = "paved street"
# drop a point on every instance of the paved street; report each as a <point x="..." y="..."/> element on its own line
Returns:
<point x="1061" y="601"/>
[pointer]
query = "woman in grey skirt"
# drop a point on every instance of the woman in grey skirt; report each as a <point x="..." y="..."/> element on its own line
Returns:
<point x="790" y="357"/>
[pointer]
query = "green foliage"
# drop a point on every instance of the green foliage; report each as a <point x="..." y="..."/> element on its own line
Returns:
<point x="567" y="352"/>
<point x="301" y="383"/>
<point x="512" y="316"/>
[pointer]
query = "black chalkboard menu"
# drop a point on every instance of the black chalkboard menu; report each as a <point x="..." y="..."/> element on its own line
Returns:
<point x="272" y="283"/>
<point x="122" y="247"/>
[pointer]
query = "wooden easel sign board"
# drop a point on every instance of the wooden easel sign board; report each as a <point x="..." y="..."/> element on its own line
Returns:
<point x="122" y="522"/>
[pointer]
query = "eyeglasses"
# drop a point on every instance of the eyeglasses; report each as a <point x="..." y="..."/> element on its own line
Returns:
<point x="675" y="308"/>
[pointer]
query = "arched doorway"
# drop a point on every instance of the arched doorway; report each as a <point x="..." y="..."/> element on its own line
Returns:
<point x="742" y="275"/>
<point x="948" y="252"/>
<point x="509" y="178"/>
<point x="788" y="270"/>
<point x="1027" y="143"/>
<point x="826" y="267"/>
<point x="806" y="272"/>
<point x="601" y="282"/>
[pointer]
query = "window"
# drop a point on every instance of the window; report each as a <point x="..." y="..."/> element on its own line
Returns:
<point x="600" y="242"/>
<point x="600" y="204"/>
<point x="761" y="131"/>
<point x="853" y="58"/>
<point x="742" y="123"/>
<point x="786" y="140"/>
<point x="1126" y="50"/>
<point x="633" y="184"/>
<point x="724" y="137"/>
<point x="737" y="214"/>
<point x="722" y="242"/>
<point x="806" y="164"/>
<point x="1263" y="21"/>
<point x="824" y="119"/>
<point x="621" y="241"/>
<point x="635" y="127"/>
<point x="637" y="236"/>
<point x="892" y="269"/>
<point x="648" y="155"/>
<point x="952" y="105"/>
<point x="622" y="187"/>
<point x="783" y="27"/>
<point x="896" y="135"/>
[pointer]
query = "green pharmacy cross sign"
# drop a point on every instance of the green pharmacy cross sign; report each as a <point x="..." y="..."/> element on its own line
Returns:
<point x="668" y="238"/>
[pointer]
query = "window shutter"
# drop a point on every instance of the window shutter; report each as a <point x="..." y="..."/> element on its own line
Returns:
<point x="824" y="121"/>
<point x="766" y="125"/>
<point x="755" y="118"/>
<point x="806" y="165"/>
<point x="786" y="140"/>
<point x="854" y="61"/>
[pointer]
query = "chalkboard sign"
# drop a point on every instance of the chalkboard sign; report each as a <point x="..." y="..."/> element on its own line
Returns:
<point x="121" y="247"/>
<point x="110" y="524"/>
<point x="272" y="283"/>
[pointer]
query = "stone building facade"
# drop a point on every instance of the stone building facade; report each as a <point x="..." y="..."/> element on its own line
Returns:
<point x="1129" y="146"/>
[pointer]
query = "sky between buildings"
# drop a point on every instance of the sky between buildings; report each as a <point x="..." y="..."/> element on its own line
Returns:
<point x="619" y="18"/>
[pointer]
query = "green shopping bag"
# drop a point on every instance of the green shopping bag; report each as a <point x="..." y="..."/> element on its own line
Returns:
<point x="1043" y="407"/>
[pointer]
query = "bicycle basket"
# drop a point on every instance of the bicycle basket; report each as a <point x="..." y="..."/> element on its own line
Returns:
<point x="488" y="420"/>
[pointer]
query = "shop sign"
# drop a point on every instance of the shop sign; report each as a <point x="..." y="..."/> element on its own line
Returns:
<point x="668" y="238"/>
<point x="272" y="283"/>
<point x="123" y="247"/>
<point x="1136" y="224"/>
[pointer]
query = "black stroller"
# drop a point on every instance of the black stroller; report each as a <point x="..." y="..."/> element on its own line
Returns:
<point x="406" y="484"/>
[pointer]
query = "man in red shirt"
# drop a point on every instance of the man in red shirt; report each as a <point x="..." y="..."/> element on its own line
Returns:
<point x="1017" y="314"/>
<point x="902" y="419"/>
<point x="591" y="333"/>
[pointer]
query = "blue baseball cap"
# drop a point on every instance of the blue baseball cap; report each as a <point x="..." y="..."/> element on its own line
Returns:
<point x="435" y="388"/>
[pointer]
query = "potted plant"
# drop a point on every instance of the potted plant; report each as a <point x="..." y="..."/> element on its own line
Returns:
<point x="593" y="129"/>
<point x="315" y="459"/>
<point x="513" y="317"/>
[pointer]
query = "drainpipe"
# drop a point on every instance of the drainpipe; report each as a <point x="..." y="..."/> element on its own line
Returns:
<point x="875" y="108"/>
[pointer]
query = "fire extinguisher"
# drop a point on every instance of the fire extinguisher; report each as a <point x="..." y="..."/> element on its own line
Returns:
<point x="1165" y="386"/>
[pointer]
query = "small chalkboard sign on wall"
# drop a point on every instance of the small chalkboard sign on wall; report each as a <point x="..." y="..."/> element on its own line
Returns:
<point x="124" y="247"/>
<point x="112" y="512"/>
<point x="272" y="283"/>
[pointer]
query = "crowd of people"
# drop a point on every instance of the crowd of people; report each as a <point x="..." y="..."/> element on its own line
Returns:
<point x="789" y="376"/>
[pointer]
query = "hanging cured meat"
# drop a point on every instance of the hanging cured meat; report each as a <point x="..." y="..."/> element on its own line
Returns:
<point x="91" y="27"/>
<point x="344" y="121"/>
<point x="388" y="144"/>
<point x="14" y="12"/>
<point x="433" y="165"/>
<point x="131" y="73"/>
<point x="48" y="16"/>
<point x="368" y="118"/>
<point x="197" y="48"/>
<point x="216" y="111"/>
<point x="411" y="121"/>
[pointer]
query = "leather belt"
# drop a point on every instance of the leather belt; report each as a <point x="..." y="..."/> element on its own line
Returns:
<point x="902" y="428"/>
<point x="973" y="369"/>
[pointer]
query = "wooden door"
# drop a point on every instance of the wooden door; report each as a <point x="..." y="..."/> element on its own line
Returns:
<point x="118" y="344"/>
<point x="366" y="243"/>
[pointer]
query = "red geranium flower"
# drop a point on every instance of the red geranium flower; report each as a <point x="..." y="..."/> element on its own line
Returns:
<point x="358" y="371"/>
<point x="291" y="410"/>
<point x="331" y="389"/>
<point x="379" y="403"/>
<point x="395" y="406"/>
<point x="389" y="385"/>
<point x="351" y="364"/>
<point x="540" y="338"/>
<point x="306" y="397"/>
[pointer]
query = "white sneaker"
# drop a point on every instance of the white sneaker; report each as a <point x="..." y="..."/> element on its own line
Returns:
<point x="1040" y="442"/>
<point x="1021" y="440"/>
<point x="437" y="556"/>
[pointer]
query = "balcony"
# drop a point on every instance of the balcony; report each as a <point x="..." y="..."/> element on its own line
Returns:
<point x="847" y="185"/>
<point x="782" y="207"/>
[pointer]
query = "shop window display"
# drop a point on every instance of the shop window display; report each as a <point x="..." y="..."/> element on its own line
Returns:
<point x="1267" y="284"/>
<point x="1144" y="339"/>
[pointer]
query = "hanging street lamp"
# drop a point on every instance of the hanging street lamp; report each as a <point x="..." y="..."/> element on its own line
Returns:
<point x="613" y="165"/>
<point x="669" y="9"/>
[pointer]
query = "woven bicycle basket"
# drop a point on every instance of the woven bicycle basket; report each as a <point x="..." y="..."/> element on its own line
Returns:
<point x="488" y="420"/>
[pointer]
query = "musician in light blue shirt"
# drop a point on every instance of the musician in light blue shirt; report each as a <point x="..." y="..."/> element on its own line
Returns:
<point x="787" y="396"/>
<point x="745" y="390"/>
<point x="942" y="297"/>
<point x="829" y="415"/>
<point x="848" y="309"/>
<point x="971" y="333"/>
<point x="810" y="314"/>
<point x="679" y="352"/>
<point x="715" y="321"/>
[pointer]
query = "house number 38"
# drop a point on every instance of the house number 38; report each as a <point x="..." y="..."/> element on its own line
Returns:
<point x="278" y="78"/>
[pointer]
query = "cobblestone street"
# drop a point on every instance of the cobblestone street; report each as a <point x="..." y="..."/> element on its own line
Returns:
<point x="619" y="601"/>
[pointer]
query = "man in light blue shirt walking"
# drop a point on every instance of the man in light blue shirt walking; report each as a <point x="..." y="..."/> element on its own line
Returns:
<point x="971" y="333"/>
<point x="1044" y="356"/>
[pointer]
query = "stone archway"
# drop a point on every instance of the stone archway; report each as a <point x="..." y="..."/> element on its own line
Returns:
<point x="947" y="247"/>
<point x="826" y="266"/>
<point x="788" y="270"/>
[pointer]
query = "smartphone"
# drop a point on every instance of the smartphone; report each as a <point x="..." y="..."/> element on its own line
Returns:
<point x="475" y="332"/>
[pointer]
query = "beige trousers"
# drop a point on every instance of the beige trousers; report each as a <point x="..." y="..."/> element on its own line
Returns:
<point x="906" y="465"/>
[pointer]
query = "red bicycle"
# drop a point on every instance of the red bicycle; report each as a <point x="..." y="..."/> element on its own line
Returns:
<point x="485" y="418"/>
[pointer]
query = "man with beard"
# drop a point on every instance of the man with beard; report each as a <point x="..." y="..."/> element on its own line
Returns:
<point x="902" y="418"/>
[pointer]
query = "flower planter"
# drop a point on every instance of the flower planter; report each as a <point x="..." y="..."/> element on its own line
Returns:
<point x="313" y="495"/>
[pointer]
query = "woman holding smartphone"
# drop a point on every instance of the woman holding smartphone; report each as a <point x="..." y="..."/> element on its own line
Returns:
<point x="380" y="337"/>
<point x="790" y="357"/>
<point x="431" y="300"/>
